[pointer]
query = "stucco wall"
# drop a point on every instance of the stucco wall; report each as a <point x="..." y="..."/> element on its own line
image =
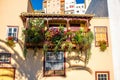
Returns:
<point x="10" y="15"/>
<point x="31" y="68"/>
<point x="102" y="61"/>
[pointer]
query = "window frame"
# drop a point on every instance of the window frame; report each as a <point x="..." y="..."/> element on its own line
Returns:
<point x="13" y="27"/>
<point x="8" y="57"/>
<point x="54" y="74"/>
<point x="102" y="72"/>
<point x="101" y="32"/>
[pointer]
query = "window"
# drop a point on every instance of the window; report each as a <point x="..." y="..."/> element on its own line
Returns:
<point x="100" y="34"/>
<point x="82" y="6"/>
<point x="54" y="64"/>
<point x="77" y="11"/>
<point x="5" y="57"/>
<point x="71" y="6"/>
<point x="13" y="32"/>
<point x="102" y="75"/>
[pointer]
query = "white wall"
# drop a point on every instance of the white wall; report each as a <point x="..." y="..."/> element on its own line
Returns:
<point x="69" y="3"/>
<point x="78" y="7"/>
<point x="114" y="14"/>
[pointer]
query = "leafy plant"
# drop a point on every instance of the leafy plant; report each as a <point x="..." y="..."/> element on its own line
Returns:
<point x="103" y="45"/>
<point x="67" y="46"/>
<point x="55" y="36"/>
<point x="83" y="40"/>
<point x="34" y="34"/>
<point x="10" y="41"/>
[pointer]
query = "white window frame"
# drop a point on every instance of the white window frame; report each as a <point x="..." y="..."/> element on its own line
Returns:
<point x="13" y="33"/>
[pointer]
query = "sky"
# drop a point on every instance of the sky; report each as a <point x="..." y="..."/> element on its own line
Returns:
<point x="37" y="4"/>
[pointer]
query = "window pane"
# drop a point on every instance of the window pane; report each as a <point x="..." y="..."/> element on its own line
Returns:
<point x="10" y="29"/>
<point x="5" y="57"/>
<point x="100" y="34"/>
<point x="14" y="30"/>
<point x="9" y="34"/>
<point x="54" y="62"/>
<point x="102" y="76"/>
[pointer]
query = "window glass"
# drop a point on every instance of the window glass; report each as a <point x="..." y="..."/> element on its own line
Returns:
<point x="12" y="32"/>
<point x="54" y="63"/>
<point x="102" y="75"/>
<point x="100" y="34"/>
<point x="5" y="57"/>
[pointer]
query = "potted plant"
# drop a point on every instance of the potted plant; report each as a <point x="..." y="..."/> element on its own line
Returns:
<point x="103" y="45"/>
<point x="34" y="34"/>
<point x="10" y="41"/>
<point x="55" y="37"/>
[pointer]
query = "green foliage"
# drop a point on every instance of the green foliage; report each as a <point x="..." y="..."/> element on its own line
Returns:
<point x="83" y="40"/>
<point x="103" y="45"/>
<point x="67" y="46"/>
<point x="25" y="52"/>
<point x="57" y="38"/>
<point x="10" y="41"/>
<point x="34" y="34"/>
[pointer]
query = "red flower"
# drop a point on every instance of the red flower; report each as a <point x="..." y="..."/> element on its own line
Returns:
<point x="65" y="32"/>
<point x="10" y="38"/>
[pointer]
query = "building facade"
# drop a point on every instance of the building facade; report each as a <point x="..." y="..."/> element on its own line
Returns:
<point x="63" y="7"/>
<point x="53" y="6"/>
<point x="80" y="9"/>
<point x="43" y="65"/>
<point x="70" y="6"/>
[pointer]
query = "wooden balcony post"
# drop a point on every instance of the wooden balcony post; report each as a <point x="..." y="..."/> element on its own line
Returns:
<point x="68" y="24"/>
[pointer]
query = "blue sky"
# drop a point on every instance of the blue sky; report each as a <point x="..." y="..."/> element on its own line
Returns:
<point x="37" y="4"/>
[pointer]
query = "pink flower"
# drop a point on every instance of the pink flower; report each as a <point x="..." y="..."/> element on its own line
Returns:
<point x="65" y="32"/>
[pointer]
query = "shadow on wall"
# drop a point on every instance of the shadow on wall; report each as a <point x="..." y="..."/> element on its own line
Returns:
<point x="30" y="68"/>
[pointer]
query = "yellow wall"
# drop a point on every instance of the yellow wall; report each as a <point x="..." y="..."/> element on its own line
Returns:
<point x="101" y="61"/>
<point x="10" y="15"/>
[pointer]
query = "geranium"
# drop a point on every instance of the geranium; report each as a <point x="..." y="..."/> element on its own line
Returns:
<point x="10" y="38"/>
<point x="10" y="41"/>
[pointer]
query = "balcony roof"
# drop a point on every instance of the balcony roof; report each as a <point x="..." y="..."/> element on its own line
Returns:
<point x="25" y="15"/>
